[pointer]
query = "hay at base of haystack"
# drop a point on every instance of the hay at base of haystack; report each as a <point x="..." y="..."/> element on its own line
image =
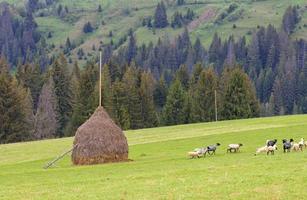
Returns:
<point x="99" y="140"/>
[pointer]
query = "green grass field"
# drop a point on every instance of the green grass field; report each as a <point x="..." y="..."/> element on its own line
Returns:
<point x="161" y="169"/>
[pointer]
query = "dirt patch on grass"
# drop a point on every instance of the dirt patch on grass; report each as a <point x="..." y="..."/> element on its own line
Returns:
<point x="206" y="16"/>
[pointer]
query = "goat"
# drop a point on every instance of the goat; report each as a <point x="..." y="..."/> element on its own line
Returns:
<point x="235" y="147"/>
<point x="211" y="149"/>
<point x="287" y="145"/>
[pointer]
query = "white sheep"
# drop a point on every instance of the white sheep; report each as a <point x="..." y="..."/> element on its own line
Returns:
<point x="235" y="147"/>
<point x="261" y="150"/>
<point x="295" y="146"/>
<point x="266" y="149"/>
<point x="196" y="153"/>
<point x="302" y="144"/>
<point x="271" y="149"/>
<point x="193" y="154"/>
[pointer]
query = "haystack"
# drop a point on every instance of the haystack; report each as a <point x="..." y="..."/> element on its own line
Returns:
<point x="99" y="140"/>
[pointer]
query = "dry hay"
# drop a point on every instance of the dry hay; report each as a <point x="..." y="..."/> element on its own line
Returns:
<point x="99" y="140"/>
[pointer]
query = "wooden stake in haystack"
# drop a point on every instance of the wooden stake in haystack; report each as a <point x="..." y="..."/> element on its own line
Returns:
<point x="99" y="139"/>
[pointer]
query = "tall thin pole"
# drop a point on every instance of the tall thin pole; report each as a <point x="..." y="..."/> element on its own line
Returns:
<point x="100" y="79"/>
<point x="215" y="99"/>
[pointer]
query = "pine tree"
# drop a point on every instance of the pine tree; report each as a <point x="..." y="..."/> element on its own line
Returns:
<point x="30" y="76"/>
<point x="160" y="94"/>
<point x="86" y="103"/>
<point x="14" y="126"/>
<point x="132" y="49"/>
<point x="203" y="100"/>
<point x="63" y="92"/>
<point x="182" y="75"/>
<point x="120" y="107"/>
<point x="107" y="90"/>
<point x="174" y="109"/>
<point x="160" y="16"/>
<point x="47" y="115"/>
<point x="147" y="100"/>
<point x="131" y="85"/>
<point x="239" y="99"/>
<point x="254" y="58"/>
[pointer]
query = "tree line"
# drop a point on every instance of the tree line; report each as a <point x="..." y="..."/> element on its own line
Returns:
<point x="167" y="83"/>
<point x="39" y="105"/>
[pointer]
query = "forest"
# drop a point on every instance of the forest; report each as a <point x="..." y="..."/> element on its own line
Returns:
<point x="169" y="82"/>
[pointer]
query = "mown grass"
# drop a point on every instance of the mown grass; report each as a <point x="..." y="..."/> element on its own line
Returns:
<point x="161" y="169"/>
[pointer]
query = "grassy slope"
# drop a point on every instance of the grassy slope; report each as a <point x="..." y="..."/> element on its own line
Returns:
<point x="121" y="15"/>
<point x="161" y="170"/>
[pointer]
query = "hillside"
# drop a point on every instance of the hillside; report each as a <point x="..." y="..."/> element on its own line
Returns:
<point x="120" y="16"/>
<point x="160" y="168"/>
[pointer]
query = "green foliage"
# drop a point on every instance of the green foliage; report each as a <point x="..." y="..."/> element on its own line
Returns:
<point x="239" y="98"/>
<point x="160" y="19"/>
<point x="174" y="109"/>
<point x="203" y="97"/>
<point x="14" y="126"/>
<point x="147" y="100"/>
<point x="63" y="92"/>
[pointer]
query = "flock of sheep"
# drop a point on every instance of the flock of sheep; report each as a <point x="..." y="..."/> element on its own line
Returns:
<point x="269" y="148"/>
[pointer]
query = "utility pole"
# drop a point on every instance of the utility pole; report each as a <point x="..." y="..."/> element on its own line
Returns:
<point x="100" y="79"/>
<point x="215" y="101"/>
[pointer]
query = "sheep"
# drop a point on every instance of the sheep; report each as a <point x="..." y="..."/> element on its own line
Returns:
<point x="235" y="147"/>
<point x="296" y="147"/>
<point x="261" y="150"/>
<point x="266" y="149"/>
<point x="271" y="142"/>
<point x="196" y="153"/>
<point x="193" y="154"/>
<point x="271" y="149"/>
<point x="302" y="144"/>
<point x="287" y="145"/>
<point x="211" y="149"/>
<point x="305" y="144"/>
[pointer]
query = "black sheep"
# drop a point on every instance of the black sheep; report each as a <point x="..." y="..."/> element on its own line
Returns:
<point x="271" y="142"/>
<point x="287" y="145"/>
<point x="211" y="149"/>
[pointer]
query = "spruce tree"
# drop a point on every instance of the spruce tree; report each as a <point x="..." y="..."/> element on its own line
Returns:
<point x="120" y="107"/>
<point x="85" y="104"/>
<point x="203" y="99"/>
<point x="131" y="84"/>
<point x="63" y="92"/>
<point x="47" y="115"/>
<point x="174" y="109"/>
<point x="160" y="19"/>
<point x="147" y="100"/>
<point x="30" y="76"/>
<point x="14" y="126"/>
<point x="160" y="93"/>
<point x="239" y="99"/>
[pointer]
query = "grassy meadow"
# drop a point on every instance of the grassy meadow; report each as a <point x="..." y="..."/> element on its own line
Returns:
<point x="160" y="168"/>
<point x="121" y="15"/>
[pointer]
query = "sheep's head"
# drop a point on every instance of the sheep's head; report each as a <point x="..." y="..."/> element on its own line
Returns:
<point x="218" y="144"/>
<point x="284" y="141"/>
<point x="240" y="144"/>
<point x="291" y="140"/>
